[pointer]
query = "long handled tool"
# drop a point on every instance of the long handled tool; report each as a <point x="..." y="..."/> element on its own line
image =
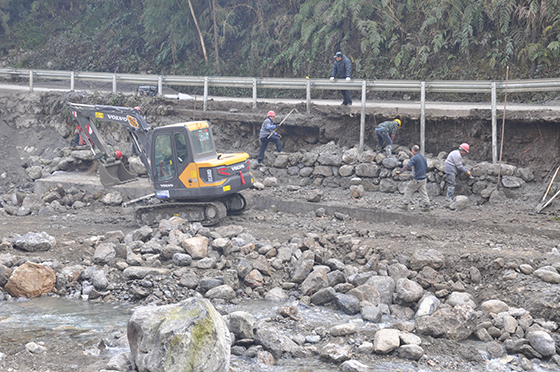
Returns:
<point x="542" y="204"/>
<point x="549" y="201"/>
<point x="550" y="184"/>
<point x="283" y="120"/>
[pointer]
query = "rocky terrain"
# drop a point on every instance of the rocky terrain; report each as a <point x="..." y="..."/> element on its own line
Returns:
<point x="467" y="286"/>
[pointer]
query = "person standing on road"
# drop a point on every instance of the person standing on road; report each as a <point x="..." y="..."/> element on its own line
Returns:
<point x="418" y="182"/>
<point x="454" y="165"/>
<point x="386" y="133"/>
<point x="268" y="134"/>
<point x="342" y="69"/>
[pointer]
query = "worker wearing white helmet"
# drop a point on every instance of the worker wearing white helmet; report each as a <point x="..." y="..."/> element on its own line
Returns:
<point x="386" y="133"/>
<point x="453" y="166"/>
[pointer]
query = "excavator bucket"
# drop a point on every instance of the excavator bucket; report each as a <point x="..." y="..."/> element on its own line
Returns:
<point x="114" y="174"/>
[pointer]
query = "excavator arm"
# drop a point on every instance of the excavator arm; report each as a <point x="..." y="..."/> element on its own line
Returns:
<point x="112" y="171"/>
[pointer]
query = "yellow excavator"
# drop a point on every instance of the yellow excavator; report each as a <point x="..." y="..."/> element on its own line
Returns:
<point x="190" y="179"/>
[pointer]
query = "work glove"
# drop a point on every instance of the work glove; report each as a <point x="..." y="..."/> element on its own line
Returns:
<point x="348" y="79"/>
<point x="398" y="172"/>
<point x="332" y="78"/>
<point x="392" y="137"/>
<point x="468" y="173"/>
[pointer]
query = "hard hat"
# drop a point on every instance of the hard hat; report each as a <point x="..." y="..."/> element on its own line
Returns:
<point x="118" y="154"/>
<point x="271" y="113"/>
<point x="465" y="147"/>
<point x="398" y="122"/>
<point x="338" y="54"/>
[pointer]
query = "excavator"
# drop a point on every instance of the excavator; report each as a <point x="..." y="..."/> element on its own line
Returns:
<point x="190" y="179"/>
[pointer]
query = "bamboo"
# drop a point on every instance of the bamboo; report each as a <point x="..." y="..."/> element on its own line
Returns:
<point x="199" y="33"/>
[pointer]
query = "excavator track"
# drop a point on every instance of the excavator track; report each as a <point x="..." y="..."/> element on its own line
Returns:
<point x="207" y="213"/>
<point x="235" y="203"/>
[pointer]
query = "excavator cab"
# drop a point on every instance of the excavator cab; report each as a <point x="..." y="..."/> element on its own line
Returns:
<point x="187" y="167"/>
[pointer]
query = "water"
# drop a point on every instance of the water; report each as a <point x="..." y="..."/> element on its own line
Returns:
<point x="48" y="318"/>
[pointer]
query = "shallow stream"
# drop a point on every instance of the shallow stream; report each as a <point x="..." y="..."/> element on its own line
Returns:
<point x="48" y="319"/>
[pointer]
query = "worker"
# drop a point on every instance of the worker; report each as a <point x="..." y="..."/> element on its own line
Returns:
<point x="78" y="139"/>
<point x="386" y="133"/>
<point x="268" y="134"/>
<point x="454" y="165"/>
<point x="342" y="69"/>
<point x="418" y="182"/>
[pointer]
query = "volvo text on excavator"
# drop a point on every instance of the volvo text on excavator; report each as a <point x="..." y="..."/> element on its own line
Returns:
<point x="190" y="179"/>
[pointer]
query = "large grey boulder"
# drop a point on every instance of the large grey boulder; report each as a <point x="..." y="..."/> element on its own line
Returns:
<point x="188" y="336"/>
<point x="274" y="341"/>
<point x="455" y="323"/>
<point x="34" y="242"/>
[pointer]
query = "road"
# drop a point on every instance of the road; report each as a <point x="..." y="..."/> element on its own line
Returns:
<point x="410" y="108"/>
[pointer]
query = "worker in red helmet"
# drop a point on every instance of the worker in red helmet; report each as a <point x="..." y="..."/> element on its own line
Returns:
<point x="118" y="154"/>
<point x="453" y="166"/>
<point x="268" y="135"/>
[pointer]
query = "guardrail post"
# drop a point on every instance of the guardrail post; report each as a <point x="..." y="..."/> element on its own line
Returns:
<point x="31" y="80"/>
<point x="422" y="117"/>
<point x="254" y="93"/>
<point x="72" y="80"/>
<point x="205" y="105"/>
<point x="494" y="126"/>
<point x="114" y="83"/>
<point x="308" y="96"/>
<point x="363" y="117"/>
<point x="160" y="85"/>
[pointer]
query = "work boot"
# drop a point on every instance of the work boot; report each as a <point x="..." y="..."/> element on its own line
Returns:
<point x="404" y="206"/>
<point x="450" y="192"/>
<point x="426" y="208"/>
<point x="388" y="151"/>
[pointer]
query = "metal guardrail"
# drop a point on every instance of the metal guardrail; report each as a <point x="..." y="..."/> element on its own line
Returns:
<point x="422" y="87"/>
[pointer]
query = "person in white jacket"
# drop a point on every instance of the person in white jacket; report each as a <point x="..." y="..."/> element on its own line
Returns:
<point x="453" y="166"/>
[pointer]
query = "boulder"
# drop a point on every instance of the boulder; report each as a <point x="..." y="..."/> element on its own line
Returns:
<point x="169" y="338"/>
<point x="34" y="242"/>
<point x="455" y="323"/>
<point x="31" y="280"/>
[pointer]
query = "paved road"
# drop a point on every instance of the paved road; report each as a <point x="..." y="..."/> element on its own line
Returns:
<point x="410" y="108"/>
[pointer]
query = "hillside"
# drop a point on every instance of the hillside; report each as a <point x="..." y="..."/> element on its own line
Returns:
<point x="460" y="39"/>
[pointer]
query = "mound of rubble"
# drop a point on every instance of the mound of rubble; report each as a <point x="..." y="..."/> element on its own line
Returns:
<point x="178" y="260"/>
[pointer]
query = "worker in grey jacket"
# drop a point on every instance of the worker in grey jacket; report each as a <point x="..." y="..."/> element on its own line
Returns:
<point x="453" y="166"/>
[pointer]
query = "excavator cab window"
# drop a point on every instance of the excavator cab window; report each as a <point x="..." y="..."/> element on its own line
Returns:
<point x="165" y="169"/>
<point x="181" y="145"/>
<point x="201" y="140"/>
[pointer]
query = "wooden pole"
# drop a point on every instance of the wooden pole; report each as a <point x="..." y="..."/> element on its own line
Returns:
<point x="503" y="128"/>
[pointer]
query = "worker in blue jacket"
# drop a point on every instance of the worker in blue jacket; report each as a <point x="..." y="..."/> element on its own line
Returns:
<point x="268" y="135"/>
<point x="342" y="69"/>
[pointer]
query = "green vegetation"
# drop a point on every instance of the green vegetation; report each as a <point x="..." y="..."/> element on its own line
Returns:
<point x="386" y="39"/>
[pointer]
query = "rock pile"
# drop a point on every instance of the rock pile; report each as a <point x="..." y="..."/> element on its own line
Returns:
<point x="418" y="298"/>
